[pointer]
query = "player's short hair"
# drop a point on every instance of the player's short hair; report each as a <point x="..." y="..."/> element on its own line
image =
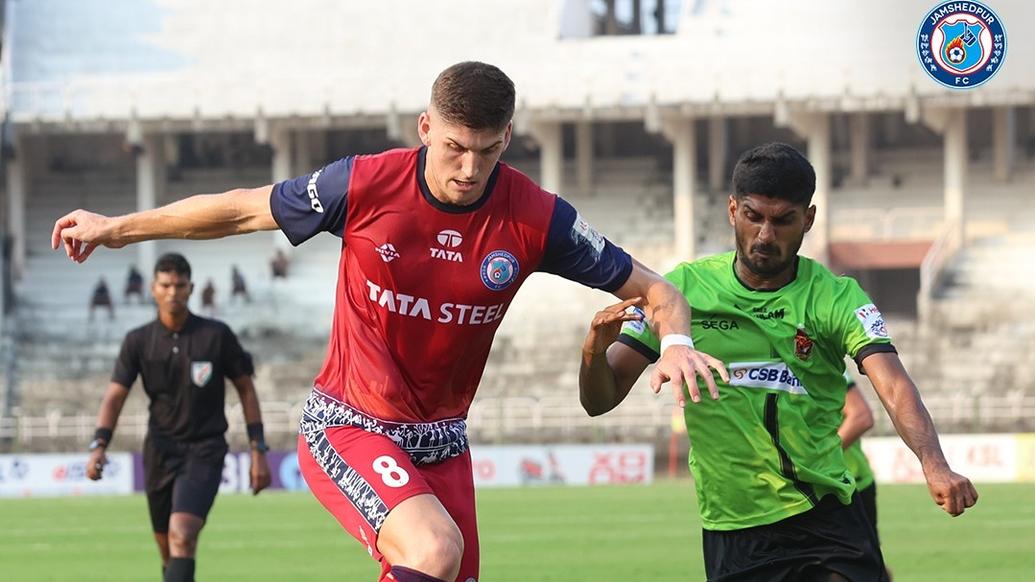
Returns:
<point x="775" y="170"/>
<point x="474" y="95"/>
<point x="172" y="263"/>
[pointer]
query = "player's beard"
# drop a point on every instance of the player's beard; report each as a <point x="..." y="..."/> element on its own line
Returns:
<point x="772" y="263"/>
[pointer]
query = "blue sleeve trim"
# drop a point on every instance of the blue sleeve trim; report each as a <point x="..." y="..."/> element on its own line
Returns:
<point x="576" y="251"/>
<point x="313" y="203"/>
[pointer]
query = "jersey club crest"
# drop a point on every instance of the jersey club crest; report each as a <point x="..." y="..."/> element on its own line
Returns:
<point x="961" y="44"/>
<point x="499" y="269"/>
<point x="200" y="373"/>
<point x="803" y="344"/>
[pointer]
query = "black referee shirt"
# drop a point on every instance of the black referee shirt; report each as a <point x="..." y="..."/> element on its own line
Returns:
<point x="183" y="374"/>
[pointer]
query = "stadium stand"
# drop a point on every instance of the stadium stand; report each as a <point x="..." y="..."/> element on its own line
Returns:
<point x="84" y="93"/>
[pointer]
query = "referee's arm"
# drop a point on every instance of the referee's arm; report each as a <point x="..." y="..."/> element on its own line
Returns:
<point x="260" y="471"/>
<point x="107" y="418"/>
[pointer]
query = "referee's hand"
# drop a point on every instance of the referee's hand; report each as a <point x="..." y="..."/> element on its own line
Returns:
<point x="260" y="472"/>
<point x="95" y="464"/>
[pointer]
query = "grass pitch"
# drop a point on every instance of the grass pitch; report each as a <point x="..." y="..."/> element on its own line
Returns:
<point x="550" y="533"/>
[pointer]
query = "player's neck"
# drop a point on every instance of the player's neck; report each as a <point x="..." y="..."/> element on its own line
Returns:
<point x="758" y="282"/>
<point x="173" y="321"/>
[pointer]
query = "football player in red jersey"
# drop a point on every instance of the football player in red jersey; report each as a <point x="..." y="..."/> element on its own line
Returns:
<point x="436" y="240"/>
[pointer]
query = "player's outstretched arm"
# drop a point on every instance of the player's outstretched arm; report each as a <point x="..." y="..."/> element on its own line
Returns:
<point x="204" y="216"/>
<point x="260" y="469"/>
<point x="952" y="491"/>
<point x="669" y="317"/>
<point x="858" y="418"/>
<point x="609" y="369"/>
<point x="107" y="418"/>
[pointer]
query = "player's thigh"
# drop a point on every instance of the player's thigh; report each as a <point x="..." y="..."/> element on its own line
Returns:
<point x="359" y="477"/>
<point x="453" y="483"/>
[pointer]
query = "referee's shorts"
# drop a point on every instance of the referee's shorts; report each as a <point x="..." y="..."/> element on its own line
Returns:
<point x="832" y="542"/>
<point x="182" y="477"/>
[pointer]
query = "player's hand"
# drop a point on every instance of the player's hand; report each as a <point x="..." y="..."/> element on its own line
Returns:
<point x="81" y="232"/>
<point x="95" y="464"/>
<point x="260" y="472"/>
<point x="950" y="490"/>
<point x="607" y="324"/>
<point x="683" y="364"/>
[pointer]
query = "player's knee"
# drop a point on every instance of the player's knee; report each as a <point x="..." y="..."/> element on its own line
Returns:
<point x="183" y="541"/>
<point x="440" y="549"/>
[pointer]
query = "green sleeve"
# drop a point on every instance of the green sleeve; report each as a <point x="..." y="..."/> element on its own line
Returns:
<point x="857" y="322"/>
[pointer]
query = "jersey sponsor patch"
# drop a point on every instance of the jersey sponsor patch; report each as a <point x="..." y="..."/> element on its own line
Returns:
<point x="872" y="321"/>
<point x="581" y="231"/>
<point x="636" y="326"/>
<point x="200" y="373"/>
<point x="771" y="375"/>
<point x="313" y="193"/>
<point x="388" y="252"/>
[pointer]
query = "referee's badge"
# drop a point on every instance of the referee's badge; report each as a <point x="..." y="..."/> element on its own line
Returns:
<point x="200" y="373"/>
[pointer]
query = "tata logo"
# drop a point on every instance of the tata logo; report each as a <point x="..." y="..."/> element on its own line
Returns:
<point x="449" y="239"/>
<point x="314" y="194"/>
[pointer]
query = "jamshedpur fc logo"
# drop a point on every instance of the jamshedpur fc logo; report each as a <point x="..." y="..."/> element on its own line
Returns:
<point x="961" y="44"/>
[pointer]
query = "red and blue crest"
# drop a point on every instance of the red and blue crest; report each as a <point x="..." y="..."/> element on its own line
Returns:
<point x="961" y="45"/>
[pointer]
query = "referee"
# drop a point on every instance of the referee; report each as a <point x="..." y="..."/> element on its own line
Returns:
<point x="182" y="359"/>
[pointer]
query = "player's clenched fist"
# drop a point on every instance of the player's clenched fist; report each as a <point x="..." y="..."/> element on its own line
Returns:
<point x="950" y="490"/>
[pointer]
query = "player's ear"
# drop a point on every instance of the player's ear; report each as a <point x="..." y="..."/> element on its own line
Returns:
<point x="423" y="127"/>
<point x="810" y="217"/>
<point x="732" y="208"/>
<point x="507" y="134"/>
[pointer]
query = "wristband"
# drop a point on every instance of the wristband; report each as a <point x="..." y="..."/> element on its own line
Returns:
<point x="676" y="339"/>
<point x="256" y="436"/>
<point x="103" y="434"/>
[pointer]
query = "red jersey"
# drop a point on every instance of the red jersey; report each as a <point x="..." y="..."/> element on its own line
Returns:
<point x="423" y="285"/>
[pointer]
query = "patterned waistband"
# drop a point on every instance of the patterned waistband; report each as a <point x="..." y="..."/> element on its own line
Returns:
<point x="425" y="442"/>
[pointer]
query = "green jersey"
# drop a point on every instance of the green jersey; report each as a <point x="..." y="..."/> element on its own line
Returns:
<point x="855" y="459"/>
<point x="768" y="448"/>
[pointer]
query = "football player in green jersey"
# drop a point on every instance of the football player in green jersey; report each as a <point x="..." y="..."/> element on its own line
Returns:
<point x="775" y="497"/>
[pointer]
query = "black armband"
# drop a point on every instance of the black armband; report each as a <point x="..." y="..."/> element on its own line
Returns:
<point x="255" y="432"/>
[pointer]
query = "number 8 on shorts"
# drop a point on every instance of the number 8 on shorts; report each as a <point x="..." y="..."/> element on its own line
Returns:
<point x="391" y="473"/>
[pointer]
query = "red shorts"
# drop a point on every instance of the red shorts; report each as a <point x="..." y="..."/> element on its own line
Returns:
<point x="361" y="476"/>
